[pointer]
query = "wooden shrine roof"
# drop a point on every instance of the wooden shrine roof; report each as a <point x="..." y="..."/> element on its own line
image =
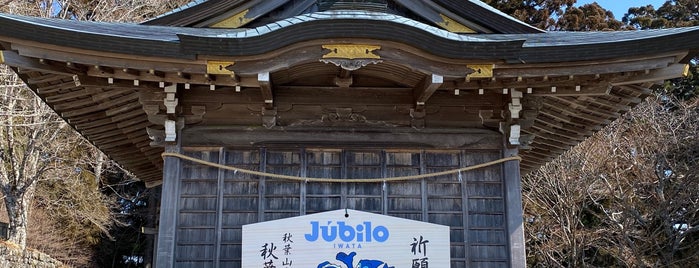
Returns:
<point x="472" y="13"/>
<point x="281" y="79"/>
<point x="190" y="43"/>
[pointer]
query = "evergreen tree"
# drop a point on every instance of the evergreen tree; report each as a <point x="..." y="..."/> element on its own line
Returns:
<point x="589" y="17"/>
<point x="538" y="13"/>
<point x="672" y="14"/>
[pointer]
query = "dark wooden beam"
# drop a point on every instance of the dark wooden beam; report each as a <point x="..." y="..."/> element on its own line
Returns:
<point x="117" y="84"/>
<point x="672" y="71"/>
<point x="527" y="71"/>
<point x="70" y="95"/>
<point x="426" y="88"/>
<point x="59" y="87"/>
<point x="395" y="137"/>
<point x="570" y="91"/>
<point x="13" y="59"/>
<point x="104" y="70"/>
<point x="566" y="110"/>
<point x="575" y="104"/>
<point x="266" y="88"/>
<point x="604" y="103"/>
<point x="118" y="70"/>
<point x="46" y="78"/>
<point x="133" y="62"/>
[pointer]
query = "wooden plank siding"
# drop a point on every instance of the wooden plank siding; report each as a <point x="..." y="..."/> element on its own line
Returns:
<point x="214" y="204"/>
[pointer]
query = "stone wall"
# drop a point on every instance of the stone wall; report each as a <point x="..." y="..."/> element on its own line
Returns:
<point x="13" y="256"/>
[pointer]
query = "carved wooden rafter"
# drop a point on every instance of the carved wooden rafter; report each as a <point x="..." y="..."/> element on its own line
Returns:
<point x="342" y="116"/>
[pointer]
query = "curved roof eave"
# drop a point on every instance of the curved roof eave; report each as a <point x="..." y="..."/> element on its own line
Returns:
<point x="187" y="43"/>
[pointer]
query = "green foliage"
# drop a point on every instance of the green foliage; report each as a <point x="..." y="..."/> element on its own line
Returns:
<point x="538" y="13"/>
<point x="589" y="17"/>
<point x="674" y="13"/>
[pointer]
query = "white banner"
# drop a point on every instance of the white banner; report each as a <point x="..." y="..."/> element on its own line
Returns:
<point x="331" y="240"/>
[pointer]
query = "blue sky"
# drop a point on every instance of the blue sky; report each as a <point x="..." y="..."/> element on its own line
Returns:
<point x="620" y="7"/>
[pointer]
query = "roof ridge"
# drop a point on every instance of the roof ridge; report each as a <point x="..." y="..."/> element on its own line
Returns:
<point x="474" y="14"/>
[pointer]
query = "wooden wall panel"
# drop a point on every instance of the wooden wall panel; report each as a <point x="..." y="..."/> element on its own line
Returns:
<point x="322" y="196"/>
<point x="198" y="213"/>
<point x="364" y="196"/>
<point x="214" y="204"/>
<point x="487" y="236"/>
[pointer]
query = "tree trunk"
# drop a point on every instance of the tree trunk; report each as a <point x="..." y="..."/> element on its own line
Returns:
<point x="17" y="205"/>
<point x="98" y="168"/>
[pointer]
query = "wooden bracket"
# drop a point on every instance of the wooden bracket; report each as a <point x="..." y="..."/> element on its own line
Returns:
<point x="425" y="89"/>
<point x="344" y="79"/>
<point x="170" y="130"/>
<point x="159" y="137"/>
<point x="170" y="101"/>
<point x="512" y="131"/>
<point x="266" y="88"/>
<point x="343" y="82"/>
<point x="514" y="134"/>
<point x="516" y="105"/>
<point x="152" y="111"/>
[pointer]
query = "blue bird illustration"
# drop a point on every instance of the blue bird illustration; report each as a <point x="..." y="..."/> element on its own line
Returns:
<point x="348" y="261"/>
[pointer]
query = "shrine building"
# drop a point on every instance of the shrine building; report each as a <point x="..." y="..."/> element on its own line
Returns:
<point x="365" y="93"/>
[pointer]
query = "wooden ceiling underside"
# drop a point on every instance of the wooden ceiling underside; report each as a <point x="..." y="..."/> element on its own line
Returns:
<point x="110" y="117"/>
<point x="562" y="104"/>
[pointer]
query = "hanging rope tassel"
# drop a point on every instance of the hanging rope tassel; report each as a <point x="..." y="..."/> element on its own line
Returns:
<point x="367" y="180"/>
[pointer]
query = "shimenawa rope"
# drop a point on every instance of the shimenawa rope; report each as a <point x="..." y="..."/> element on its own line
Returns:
<point x="367" y="180"/>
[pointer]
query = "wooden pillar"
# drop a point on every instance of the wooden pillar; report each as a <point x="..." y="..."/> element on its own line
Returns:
<point x="513" y="201"/>
<point x="167" y="227"/>
<point x="219" y="207"/>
